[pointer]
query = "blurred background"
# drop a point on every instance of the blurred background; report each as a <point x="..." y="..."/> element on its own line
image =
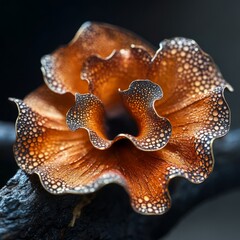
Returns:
<point x="31" y="29"/>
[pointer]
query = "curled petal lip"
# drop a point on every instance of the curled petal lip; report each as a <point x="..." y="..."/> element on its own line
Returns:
<point x="193" y="103"/>
<point x="155" y="131"/>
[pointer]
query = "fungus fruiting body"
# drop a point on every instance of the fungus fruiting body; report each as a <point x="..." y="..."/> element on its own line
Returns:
<point x="114" y="110"/>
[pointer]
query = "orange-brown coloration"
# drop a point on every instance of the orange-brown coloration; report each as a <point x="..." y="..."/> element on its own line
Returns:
<point x="175" y="133"/>
<point x="106" y="76"/>
<point x="155" y="131"/>
<point x="62" y="69"/>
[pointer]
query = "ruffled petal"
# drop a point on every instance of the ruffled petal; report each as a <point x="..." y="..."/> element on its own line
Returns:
<point x="154" y="131"/>
<point x="139" y="99"/>
<point x="184" y="73"/>
<point x="62" y="68"/>
<point x="193" y="130"/>
<point x="51" y="106"/>
<point x="88" y="113"/>
<point x="41" y="140"/>
<point x="146" y="178"/>
<point x="106" y="76"/>
<point x="194" y="104"/>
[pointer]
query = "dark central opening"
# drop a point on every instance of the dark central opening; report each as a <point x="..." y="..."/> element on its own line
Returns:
<point x="120" y="122"/>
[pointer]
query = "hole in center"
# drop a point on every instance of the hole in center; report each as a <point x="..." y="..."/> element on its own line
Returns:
<point x="120" y="121"/>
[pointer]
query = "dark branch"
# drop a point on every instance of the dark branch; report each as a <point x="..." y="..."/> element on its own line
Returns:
<point x="27" y="211"/>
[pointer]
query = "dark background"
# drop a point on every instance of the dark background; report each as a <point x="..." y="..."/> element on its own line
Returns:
<point x="31" y="29"/>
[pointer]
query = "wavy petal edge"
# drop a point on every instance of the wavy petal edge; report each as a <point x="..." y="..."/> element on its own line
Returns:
<point x="155" y="131"/>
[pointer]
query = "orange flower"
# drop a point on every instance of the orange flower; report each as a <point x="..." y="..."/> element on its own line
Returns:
<point x="139" y="119"/>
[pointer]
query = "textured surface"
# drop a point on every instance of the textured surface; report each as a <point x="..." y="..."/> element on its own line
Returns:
<point x="29" y="212"/>
<point x="154" y="131"/>
<point x="67" y="162"/>
<point x="61" y="69"/>
<point x="117" y="71"/>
